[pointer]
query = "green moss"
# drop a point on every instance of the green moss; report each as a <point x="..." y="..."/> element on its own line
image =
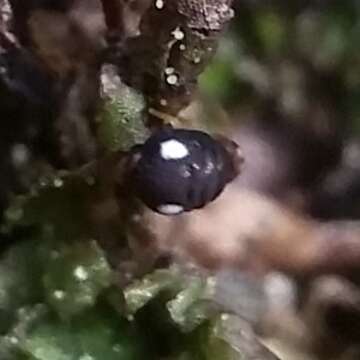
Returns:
<point x="121" y="121"/>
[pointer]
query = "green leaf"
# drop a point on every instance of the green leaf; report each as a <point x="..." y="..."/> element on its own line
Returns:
<point x="191" y="307"/>
<point x="74" y="277"/>
<point x="218" y="348"/>
<point x="142" y="291"/>
<point x="50" y="341"/>
<point x="121" y="123"/>
<point x="230" y="338"/>
<point x="103" y="337"/>
<point x="56" y="204"/>
<point x="96" y="335"/>
<point x="26" y="318"/>
<point x="20" y="279"/>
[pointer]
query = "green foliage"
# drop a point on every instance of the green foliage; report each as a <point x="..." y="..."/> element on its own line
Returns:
<point x="95" y="335"/>
<point x="58" y="299"/>
<point x="121" y="122"/>
<point x="25" y="319"/>
<point x="190" y="307"/>
<point x="58" y="205"/>
<point x="20" y="280"/>
<point x="138" y="294"/>
<point x="74" y="276"/>
<point x="68" y="280"/>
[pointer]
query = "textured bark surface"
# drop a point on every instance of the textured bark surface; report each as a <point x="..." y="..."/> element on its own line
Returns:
<point x="163" y="46"/>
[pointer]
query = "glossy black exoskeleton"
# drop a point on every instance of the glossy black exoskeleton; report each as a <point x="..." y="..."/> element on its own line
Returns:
<point x="179" y="170"/>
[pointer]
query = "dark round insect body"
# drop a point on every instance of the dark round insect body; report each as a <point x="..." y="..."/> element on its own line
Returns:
<point x="180" y="170"/>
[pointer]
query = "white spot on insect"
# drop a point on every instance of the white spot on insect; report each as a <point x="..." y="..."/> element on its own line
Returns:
<point x="173" y="150"/>
<point x="159" y="4"/>
<point x="170" y="209"/>
<point x="81" y="273"/>
<point x="178" y="34"/>
<point x="182" y="47"/>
